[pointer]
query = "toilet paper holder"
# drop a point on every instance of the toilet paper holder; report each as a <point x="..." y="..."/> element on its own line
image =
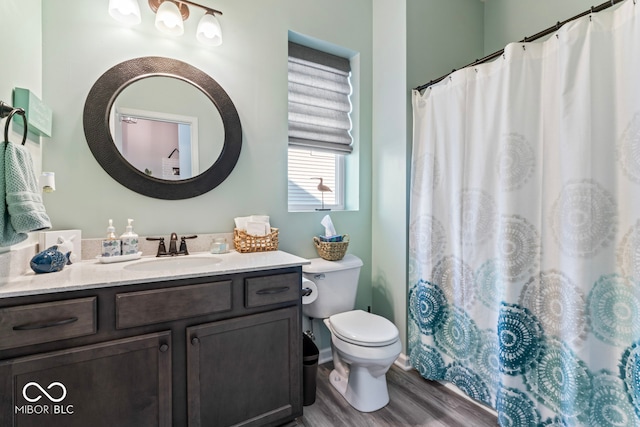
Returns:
<point x="309" y="291"/>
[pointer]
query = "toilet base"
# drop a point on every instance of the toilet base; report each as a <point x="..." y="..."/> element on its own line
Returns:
<point x="363" y="391"/>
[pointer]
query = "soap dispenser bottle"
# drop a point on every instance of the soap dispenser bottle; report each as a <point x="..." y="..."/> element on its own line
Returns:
<point x="111" y="245"/>
<point x="129" y="240"/>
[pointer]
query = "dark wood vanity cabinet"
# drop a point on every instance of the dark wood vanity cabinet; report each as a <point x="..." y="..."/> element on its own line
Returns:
<point x="250" y="383"/>
<point x="123" y="382"/>
<point x="209" y="351"/>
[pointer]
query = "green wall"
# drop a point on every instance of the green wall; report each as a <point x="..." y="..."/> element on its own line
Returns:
<point x="389" y="162"/>
<point x="440" y="36"/>
<point x="508" y="21"/>
<point x="21" y="51"/>
<point x="21" y="65"/>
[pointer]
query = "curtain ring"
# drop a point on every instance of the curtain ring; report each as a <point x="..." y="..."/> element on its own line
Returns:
<point x="20" y="112"/>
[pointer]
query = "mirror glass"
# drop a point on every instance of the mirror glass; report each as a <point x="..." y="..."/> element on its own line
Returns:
<point x="162" y="128"/>
<point x="162" y="138"/>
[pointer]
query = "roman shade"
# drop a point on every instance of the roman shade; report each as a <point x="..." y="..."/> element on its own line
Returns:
<point x="319" y="104"/>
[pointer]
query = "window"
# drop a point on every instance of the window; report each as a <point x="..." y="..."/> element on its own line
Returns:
<point x="319" y="128"/>
<point x="305" y="168"/>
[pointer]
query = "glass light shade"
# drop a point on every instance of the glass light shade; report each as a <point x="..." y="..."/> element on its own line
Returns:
<point x="125" y="11"/>
<point x="169" y="19"/>
<point x="209" y="31"/>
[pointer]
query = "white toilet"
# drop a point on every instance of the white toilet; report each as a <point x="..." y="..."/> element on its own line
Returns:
<point x="364" y="345"/>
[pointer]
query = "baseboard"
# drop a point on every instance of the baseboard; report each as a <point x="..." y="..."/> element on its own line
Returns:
<point x="403" y="362"/>
<point x="325" y="356"/>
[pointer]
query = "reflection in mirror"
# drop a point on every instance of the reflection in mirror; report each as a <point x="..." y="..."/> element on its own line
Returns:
<point x="164" y="144"/>
<point x="158" y="145"/>
<point x="217" y="150"/>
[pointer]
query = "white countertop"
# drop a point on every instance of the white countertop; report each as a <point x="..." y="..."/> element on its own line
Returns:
<point x="89" y="274"/>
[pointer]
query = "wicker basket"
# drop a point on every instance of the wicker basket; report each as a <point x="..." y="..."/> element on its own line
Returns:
<point x="332" y="251"/>
<point x="247" y="243"/>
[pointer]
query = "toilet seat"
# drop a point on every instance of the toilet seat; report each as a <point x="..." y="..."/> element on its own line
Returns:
<point x="365" y="329"/>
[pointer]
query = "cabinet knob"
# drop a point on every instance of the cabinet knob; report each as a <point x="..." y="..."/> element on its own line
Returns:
<point x="164" y="348"/>
<point x="195" y="340"/>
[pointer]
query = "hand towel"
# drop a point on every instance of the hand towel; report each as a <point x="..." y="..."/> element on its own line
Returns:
<point x="257" y="228"/>
<point x="8" y="235"/>
<point x="243" y="223"/>
<point x="22" y="210"/>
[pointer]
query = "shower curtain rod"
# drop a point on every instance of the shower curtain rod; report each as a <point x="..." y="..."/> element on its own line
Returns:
<point x="536" y="36"/>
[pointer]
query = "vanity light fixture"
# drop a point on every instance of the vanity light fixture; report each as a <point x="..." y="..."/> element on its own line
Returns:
<point x="170" y="17"/>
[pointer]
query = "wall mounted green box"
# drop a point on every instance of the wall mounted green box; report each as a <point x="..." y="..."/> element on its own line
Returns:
<point x="39" y="116"/>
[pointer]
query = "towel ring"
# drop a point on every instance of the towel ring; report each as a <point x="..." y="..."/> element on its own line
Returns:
<point x="13" y="112"/>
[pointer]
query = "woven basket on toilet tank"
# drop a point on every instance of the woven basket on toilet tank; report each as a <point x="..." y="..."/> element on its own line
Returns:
<point x="331" y="251"/>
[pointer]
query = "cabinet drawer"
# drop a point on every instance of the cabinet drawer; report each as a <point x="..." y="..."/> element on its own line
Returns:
<point x="163" y="305"/>
<point x="274" y="289"/>
<point x="51" y="321"/>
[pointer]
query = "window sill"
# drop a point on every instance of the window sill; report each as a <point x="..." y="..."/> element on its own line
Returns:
<point x="313" y="210"/>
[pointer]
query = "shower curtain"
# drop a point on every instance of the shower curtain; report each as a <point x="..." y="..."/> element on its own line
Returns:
<point x="524" y="262"/>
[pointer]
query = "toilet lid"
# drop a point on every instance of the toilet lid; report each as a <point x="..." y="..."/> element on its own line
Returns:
<point x="362" y="328"/>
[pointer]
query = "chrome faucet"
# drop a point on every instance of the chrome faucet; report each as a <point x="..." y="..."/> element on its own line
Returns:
<point x="173" y="245"/>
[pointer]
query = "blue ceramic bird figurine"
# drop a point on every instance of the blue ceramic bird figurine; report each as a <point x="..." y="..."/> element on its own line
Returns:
<point x="50" y="260"/>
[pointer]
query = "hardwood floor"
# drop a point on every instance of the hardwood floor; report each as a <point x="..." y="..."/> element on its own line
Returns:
<point x="414" y="401"/>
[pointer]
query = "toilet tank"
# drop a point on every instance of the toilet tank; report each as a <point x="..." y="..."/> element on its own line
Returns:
<point x="337" y="283"/>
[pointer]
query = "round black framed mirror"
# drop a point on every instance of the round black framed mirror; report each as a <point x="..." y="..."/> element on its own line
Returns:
<point x="97" y="129"/>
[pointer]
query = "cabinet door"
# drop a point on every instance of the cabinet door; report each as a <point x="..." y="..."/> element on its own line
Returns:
<point x="245" y="371"/>
<point x="124" y="382"/>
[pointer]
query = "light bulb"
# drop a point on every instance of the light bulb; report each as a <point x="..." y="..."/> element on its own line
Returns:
<point x="125" y="11"/>
<point x="169" y="19"/>
<point x="209" y="31"/>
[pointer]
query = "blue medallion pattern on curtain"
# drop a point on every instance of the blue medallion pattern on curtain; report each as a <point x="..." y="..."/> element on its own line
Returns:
<point x="524" y="247"/>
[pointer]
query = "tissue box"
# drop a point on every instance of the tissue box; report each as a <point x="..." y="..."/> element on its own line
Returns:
<point x="337" y="238"/>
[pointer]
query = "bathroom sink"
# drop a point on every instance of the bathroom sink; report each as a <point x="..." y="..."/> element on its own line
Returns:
<point x="177" y="263"/>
